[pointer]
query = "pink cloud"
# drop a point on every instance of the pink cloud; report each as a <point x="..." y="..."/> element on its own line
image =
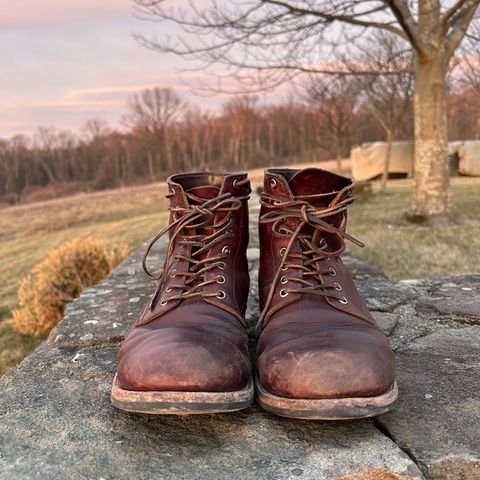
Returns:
<point x="23" y="13"/>
<point x="63" y="76"/>
<point x="123" y="91"/>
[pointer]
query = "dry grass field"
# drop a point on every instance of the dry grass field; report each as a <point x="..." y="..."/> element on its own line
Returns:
<point x="134" y="214"/>
<point x="28" y="232"/>
<point x="409" y="251"/>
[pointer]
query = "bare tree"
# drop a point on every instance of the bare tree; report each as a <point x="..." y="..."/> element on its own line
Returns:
<point x="95" y="129"/>
<point x="335" y="101"/>
<point x="153" y="109"/>
<point x="469" y="61"/>
<point x="388" y="96"/>
<point x="153" y="112"/>
<point x="286" y="132"/>
<point x="273" y="41"/>
<point x="46" y="138"/>
<point x="241" y="115"/>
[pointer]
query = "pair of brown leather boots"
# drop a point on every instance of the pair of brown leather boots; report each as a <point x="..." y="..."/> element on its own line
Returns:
<point x="320" y="354"/>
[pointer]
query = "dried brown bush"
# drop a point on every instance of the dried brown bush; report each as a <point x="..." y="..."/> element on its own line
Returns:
<point x="59" y="279"/>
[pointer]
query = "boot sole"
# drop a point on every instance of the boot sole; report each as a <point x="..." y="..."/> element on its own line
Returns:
<point x="181" y="403"/>
<point x="328" y="408"/>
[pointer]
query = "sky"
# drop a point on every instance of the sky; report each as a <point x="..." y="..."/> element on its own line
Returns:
<point x="63" y="62"/>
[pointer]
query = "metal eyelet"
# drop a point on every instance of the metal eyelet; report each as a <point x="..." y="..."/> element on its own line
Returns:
<point x="283" y="293"/>
<point x="337" y="286"/>
<point x="283" y="280"/>
<point x="163" y="303"/>
<point x="282" y="251"/>
<point x="343" y="300"/>
<point x="226" y="250"/>
<point x="235" y="182"/>
<point x="173" y="274"/>
<point x="273" y="183"/>
<point x="332" y="272"/>
<point x="221" y="294"/>
<point x="168" y="289"/>
<point x="284" y="268"/>
<point x="220" y="279"/>
<point x="222" y="266"/>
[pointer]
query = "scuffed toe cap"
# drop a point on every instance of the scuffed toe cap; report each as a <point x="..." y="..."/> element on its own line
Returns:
<point x="179" y="359"/>
<point x="341" y="369"/>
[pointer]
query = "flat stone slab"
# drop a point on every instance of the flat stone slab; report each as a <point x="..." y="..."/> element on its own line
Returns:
<point x="388" y="321"/>
<point x="458" y="297"/>
<point x="437" y="419"/>
<point x="56" y="422"/>
<point x="380" y="293"/>
<point x="384" y="296"/>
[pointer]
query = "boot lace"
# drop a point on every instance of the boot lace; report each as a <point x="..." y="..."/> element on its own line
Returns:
<point x="311" y="253"/>
<point x="198" y="228"/>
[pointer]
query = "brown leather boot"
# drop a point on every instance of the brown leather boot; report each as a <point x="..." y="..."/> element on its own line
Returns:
<point x="188" y="352"/>
<point x="320" y="353"/>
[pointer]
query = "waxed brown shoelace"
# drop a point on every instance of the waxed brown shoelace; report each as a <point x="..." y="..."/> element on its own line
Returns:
<point x="196" y="217"/>
<point x="282" y="209"/>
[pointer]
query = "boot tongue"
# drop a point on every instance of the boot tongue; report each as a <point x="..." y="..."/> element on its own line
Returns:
<point x="319" y="187"/>
<point x="198" y="196"/>
<point x="320" y="183"/>
<point x="202" y="193"/>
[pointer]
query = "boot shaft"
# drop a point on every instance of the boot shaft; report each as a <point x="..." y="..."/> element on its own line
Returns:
<point x="208" y="238"/>
<point x="304" y="216"/>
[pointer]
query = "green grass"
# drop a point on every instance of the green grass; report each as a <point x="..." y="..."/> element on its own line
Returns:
<point x="134" y="215"/>
<point x="408" y="251"/>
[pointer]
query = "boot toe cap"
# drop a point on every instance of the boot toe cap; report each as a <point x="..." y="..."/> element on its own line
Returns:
<point x="171" y="359"/>
<point x="311" y="371"/>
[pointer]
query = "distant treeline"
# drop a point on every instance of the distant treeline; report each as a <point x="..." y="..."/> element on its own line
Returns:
<point x="162" y="135"/>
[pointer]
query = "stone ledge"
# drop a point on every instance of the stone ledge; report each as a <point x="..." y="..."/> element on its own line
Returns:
<point x="56" y="420"/>
<point x="457" y="297"/>
<point x="438" y="417"/>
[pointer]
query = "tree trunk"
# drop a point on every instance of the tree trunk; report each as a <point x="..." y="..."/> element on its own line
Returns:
<point x="386" y="161"/>
<point x="271" y="141"/>
<point x="128" y="164"/>
<point x="338" y="152"/>
<point x="167" y="141"/>
<point x="49" y="172"/>
<point x="431" y="196"/>
<point x="169" y="158"/>
<point x="151" y="172"/>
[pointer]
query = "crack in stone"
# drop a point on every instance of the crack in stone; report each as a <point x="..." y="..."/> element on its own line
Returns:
<point x="384" y="431"/>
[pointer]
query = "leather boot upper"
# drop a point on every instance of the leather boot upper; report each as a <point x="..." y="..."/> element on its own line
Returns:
<point x="191" y="336"/>
<point x="318" y="339"/>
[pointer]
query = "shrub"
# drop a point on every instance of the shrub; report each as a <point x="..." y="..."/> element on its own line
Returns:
<point x="60" y="278"/>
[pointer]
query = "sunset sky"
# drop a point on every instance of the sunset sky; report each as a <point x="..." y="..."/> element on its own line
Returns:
<point x="64" y="62"/>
